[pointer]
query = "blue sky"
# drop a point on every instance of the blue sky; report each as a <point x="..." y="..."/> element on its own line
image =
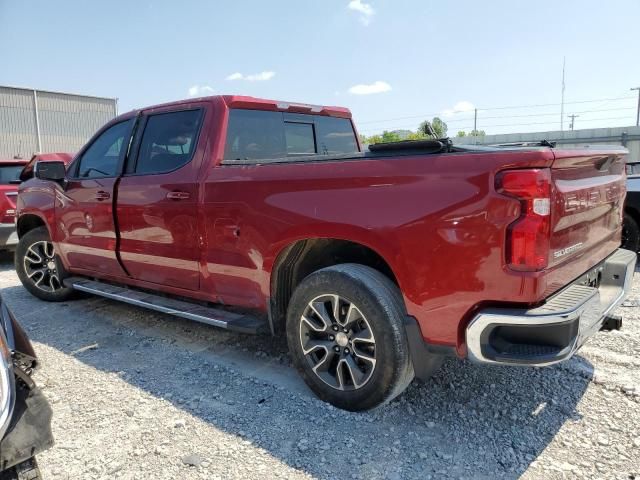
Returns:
<point x="386" y="60"/>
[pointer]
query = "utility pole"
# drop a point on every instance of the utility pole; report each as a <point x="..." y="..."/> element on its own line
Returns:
<point x="573" y="120"/>
<point x="562" y="99"/>
<point x="638" y="111"/>
<point x="475" y="119"/>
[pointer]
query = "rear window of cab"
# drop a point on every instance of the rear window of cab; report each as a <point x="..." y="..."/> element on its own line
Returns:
<point x="259" y="135"/>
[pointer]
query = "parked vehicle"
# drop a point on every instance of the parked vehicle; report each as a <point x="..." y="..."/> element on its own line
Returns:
<point x="631" y="224"/>
<point x="25" y="414"/>
<point x="9" y="181"/>
<point x="257" y="215"/>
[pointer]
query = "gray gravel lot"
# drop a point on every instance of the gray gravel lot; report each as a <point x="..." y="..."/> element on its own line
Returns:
<point x="162" y="398"/>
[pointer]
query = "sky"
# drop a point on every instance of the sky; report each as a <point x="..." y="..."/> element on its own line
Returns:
<point x="394" y="63"/>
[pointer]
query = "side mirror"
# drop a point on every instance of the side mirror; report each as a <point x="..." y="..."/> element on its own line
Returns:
<point x="50" y="170"/>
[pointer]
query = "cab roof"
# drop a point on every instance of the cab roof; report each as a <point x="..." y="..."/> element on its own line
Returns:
<point x="253" y="103"/>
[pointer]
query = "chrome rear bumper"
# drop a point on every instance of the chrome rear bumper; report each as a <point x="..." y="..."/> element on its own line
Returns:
<point x="556" y="330"/>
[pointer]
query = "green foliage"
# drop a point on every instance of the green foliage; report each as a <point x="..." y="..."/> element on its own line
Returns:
<point x="439" y="127"/>
<point x="477" y="133"/>
<point x="461" y="133"/>
<point x="388" y="137"/>
<point x="437" y="124"/>
<point x="373" y="139"/>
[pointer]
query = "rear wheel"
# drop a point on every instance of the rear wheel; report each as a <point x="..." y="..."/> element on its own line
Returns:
<point x="346" y="335"/>
<point x="39" y="268"/>
<point x="630" y="233"/>
<point x="27" y="470"/>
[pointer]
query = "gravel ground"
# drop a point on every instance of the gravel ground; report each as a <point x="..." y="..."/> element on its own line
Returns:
<point x="144" y="395"/>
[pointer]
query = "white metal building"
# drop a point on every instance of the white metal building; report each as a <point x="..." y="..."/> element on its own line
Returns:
<point x="40" y="121"/>
<point x="628" y="137"/>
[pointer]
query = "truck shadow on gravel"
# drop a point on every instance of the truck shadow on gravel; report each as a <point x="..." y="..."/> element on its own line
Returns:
<point x="466" y="422"/>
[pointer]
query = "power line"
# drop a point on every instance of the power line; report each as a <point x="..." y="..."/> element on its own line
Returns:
<point x="470" y="126"/>
<point x="428" y="115"/>
<point x="527" y="115"/>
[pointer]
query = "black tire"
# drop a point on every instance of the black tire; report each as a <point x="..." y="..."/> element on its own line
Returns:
<point x="380" y="304"/>
<point x="630" y="233"/>
<point x="55" y="291"/>
<point x="27" y="470"/>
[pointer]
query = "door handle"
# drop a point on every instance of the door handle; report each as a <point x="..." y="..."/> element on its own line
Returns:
<point x="102" y="195"/>
<point x="178" y="195"/>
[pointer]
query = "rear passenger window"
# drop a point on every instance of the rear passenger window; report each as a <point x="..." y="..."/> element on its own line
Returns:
<point x="168" y="142"/>
<point x="255" y="135"/>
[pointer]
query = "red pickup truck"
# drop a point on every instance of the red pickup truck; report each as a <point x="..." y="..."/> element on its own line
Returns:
<point x="266" y="216"/>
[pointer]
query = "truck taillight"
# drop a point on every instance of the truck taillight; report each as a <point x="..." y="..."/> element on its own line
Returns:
<point x="528" y="237"/>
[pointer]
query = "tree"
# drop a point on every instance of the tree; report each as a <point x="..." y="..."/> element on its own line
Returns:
<point x="477" y="133"/>
<point x="388" y="137"/>
<point x="437" y="125"/>
<point x="440" y="127"/>
<point x="462" y="133"/>
<point x="417" y="136"/>
<point x="373" y="139"/>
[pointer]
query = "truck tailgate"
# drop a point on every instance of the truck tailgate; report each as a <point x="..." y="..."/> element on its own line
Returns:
<point x="587" y="204"/>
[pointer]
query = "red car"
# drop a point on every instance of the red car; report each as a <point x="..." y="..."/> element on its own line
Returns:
<point x="259" y="215"/>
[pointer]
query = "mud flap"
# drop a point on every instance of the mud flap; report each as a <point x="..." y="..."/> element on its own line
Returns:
<point x="425" y="361"/>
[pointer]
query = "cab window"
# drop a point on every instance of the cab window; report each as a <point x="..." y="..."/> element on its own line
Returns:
<point x="103" y="156"/>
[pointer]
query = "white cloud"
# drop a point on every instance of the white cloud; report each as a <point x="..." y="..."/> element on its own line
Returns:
<point x="200" y="90"/>
<point x="462" y="106"/>
<point x="375" y="87"/>
<point x="256" y="77"/>
<point x="365" y="10"/>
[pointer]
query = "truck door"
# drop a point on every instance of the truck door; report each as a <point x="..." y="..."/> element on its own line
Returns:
<point x="84" y="209"/>
<point x="157" y="199"/>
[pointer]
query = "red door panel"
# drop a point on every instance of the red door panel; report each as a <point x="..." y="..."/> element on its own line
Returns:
<point x="158" y="234"/>
<point x="86" y="231"/>
<point x="85" y="224"/>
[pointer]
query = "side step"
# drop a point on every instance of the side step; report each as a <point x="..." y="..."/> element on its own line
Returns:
<point x="212" y="316"/>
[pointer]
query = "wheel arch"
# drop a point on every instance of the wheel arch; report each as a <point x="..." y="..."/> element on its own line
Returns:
<point x="302" y="257"/>
<point x="28" y="222"/>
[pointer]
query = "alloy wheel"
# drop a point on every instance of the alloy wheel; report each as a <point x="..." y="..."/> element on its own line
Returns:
<point x="41" y="268"/>
<point x="338" y="342"/>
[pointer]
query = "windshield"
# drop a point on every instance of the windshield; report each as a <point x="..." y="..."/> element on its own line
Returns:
<point x="10" y="174"/>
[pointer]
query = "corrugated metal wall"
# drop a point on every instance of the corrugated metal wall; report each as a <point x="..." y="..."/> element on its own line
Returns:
<point x="65" y="122"/>
<point x="627" y="136"/>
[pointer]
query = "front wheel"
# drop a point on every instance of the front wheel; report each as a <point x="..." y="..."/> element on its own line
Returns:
<point x="39" y="268"/>
<point x="27" y="470"/>
<point x="346" y="334"/>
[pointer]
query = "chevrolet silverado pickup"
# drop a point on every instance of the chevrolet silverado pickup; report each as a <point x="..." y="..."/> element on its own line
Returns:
<point x="266" y="216"/>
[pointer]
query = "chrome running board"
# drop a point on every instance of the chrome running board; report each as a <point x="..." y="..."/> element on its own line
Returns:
<point x="217" y="317"/>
